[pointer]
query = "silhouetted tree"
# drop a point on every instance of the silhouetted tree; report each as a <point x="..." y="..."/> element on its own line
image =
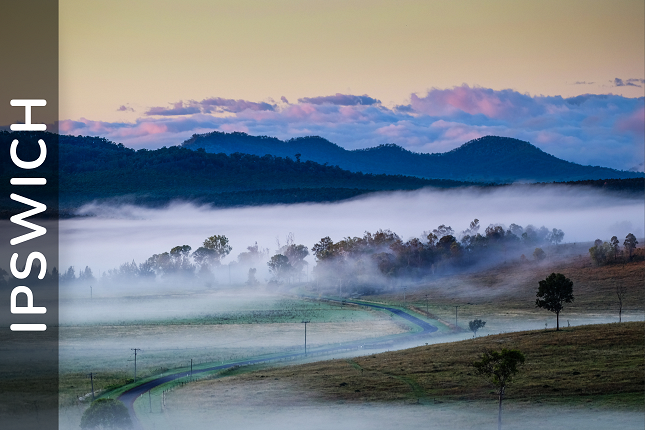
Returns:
<point x="499" y="368"/>
<point x="621" y="290"/>
<point x="553" y="292"/>
<point x="86" y="274"/>
<point x="630" y="244"/>
<point x="323" y="249"/>
<point x="476" y="325"/>
<point x="615" y="246"/>
<point x="279" y="266"/>
<point x="219" y="244"/>
<point x="69" y="275"/>
<point x="555" y="236"/>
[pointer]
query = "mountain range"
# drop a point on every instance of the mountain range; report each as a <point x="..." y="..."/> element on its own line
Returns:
<point x="96" y="169"/>
<point x="490" y="159"/>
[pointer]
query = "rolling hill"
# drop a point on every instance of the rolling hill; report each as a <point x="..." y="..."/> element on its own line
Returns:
<point x="94" y="168"/>
<point x="487" y="159"/>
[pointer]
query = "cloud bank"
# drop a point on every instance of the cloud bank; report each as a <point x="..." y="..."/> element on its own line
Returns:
<point x="590" y="129"/>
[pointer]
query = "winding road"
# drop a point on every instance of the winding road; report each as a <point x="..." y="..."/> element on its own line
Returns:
<point x="129" y="397"/>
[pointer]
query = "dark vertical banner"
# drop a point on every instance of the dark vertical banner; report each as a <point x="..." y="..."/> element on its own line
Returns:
<point x="29" y="206"/>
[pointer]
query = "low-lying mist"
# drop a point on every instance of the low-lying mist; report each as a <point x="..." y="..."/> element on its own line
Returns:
<point x="107" y="235"/>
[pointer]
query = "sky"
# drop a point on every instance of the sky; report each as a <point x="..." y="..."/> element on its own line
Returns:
<point x="567" y="76"/>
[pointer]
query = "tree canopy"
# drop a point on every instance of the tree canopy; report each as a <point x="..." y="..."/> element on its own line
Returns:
<point x="475" y="325"/>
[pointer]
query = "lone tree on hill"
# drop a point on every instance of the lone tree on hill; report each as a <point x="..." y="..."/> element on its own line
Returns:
<point x="476" y="325"/>
<point x="499" y="368"/>
<point x="555" y="290"/>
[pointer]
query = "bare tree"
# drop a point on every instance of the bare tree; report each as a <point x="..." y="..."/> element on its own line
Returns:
<point x="621" y="290"/>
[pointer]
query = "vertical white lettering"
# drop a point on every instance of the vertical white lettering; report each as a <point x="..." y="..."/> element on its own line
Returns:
<point x="28" y="126"/>
<point x="29" y="309"/>
<point x="28" y="164"/>
<point x="30" y="261"/>
<point x="20" y="219"/>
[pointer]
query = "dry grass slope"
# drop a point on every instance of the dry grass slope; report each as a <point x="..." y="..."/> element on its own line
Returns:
<point x="511" y="288"/>
<point x="599" y="364"/>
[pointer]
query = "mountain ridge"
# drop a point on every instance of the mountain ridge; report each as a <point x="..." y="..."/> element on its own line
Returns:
<point x="96" y="169"/>
<point x="486" y="159"/>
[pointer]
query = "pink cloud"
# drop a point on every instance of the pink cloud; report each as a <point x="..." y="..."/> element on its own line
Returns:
<point x="505" y="104"/>
<point x="589" y="129"/>
<point x="392" y="130"/>
<point x="634" y="123"/>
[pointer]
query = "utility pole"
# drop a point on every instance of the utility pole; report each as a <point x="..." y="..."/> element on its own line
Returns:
<point x="150" y="400"/>
<point x="191" y="368"/>
<point x="456" y="325"/>
<point x="427" y="305"/>
<point x="135" y="362"/>
<point x="92" y="381"/>
<point x="404" y="288"/>
<point x="305" y="323"/>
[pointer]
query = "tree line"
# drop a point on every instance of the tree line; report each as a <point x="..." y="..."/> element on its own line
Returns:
<point x="609" y="252"/>
<point x="356" y="260"/>
<point x="371" y="261"/>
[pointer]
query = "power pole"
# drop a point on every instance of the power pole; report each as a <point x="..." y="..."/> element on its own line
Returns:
<point x="135" y="362"/>
<point x="305" y="323"/>
<point x="456" y="307"/>
<point x="427" y="305"/>
<point x="150" y="400"/>
<point x="191" y="368"/>
<point x="404" y="288"/>
<point x="92" y="381"/>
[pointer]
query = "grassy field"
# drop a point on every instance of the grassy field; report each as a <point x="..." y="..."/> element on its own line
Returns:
<point x="249" y="327"/>
<point x="602" y="365"/>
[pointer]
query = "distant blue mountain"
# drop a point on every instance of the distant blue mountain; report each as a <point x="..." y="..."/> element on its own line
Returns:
<point x="487" y="159"/>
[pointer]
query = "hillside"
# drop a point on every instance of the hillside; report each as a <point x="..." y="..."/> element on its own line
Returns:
<point x="488" y="159"/>
<point x="585" y="364"/>
<point x="94" y="168"/>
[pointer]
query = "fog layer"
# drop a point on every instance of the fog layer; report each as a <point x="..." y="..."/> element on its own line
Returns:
<point x="116" y="234"/>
